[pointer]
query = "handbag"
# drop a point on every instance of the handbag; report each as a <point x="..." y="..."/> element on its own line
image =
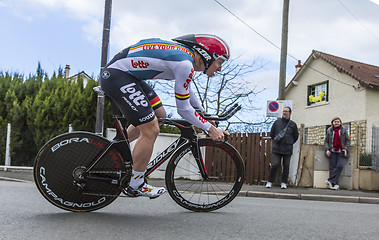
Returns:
<point x="282" y="133"/>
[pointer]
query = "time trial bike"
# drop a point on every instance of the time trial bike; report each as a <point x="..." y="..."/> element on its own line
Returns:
<point x="82" y="171"/>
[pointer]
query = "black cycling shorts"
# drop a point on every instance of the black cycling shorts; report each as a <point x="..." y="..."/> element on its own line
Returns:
<point x="135" y="98"/>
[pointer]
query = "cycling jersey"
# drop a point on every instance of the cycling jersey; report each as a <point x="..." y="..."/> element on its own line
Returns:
<point x="158" y="59"/>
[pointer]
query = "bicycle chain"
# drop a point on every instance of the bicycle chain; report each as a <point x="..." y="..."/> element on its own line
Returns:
<point x="106" y="195"/>
<point x="107" y="172"/>
<point x="103" y="195"/>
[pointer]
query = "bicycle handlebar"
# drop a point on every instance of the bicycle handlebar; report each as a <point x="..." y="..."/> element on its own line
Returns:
<point x="224" y="116"/>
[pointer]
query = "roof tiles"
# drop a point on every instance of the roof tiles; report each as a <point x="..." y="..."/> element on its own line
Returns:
<point x="365" y="74"/>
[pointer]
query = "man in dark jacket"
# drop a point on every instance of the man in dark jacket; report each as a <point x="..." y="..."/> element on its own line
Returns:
<point x="284" y="134"/>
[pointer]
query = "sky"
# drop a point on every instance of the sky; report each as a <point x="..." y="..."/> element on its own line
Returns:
<point x="57" y="33"/>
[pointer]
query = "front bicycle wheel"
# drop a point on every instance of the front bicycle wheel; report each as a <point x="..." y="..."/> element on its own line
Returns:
<point x="60" y="172"/>
<point x="226" y="174"/>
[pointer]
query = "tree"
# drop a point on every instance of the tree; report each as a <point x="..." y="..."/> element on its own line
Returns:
<point x="39" y="108"/>
<point x="3" y="134"/>
<point x="17" y="95"/>
<point x="226" y="88"/>
<point x="5" y="83"/>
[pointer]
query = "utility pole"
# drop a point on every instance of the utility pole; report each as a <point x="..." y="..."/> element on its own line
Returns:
<point x="99" y="128"/>
<point x="283" y="54"/>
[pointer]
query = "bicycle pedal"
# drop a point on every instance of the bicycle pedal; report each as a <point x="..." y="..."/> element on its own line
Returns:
<point x="129" y="194"/>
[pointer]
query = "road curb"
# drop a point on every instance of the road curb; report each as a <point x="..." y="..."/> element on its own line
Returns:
<point x="331" y="198"/>
<point x="272" y="195"/>
<point x="369" y="200"/>
<point x="313" y="197"/>
<point x="14" y="179"/>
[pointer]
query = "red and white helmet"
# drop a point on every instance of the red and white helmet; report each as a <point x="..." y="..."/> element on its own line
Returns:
<point x="210" y="47"/>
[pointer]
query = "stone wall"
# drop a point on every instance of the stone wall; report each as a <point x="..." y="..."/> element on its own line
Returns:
<point x="358" y="132"/>
<point x="316" y="135"/>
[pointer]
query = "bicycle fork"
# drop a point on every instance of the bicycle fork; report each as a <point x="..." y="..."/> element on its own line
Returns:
<point x="195" y="149"/>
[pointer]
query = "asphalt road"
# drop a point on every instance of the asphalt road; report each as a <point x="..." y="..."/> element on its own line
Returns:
<point x="25" y="214"/>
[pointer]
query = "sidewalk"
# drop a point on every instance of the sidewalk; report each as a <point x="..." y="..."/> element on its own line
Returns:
<point x="298" y="193"/>
<point x="315" y="194"/>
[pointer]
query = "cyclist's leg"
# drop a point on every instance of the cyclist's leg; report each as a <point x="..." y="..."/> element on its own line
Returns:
<point x="143" y="148"/>
<point x="142" y="151"/>
<point x="127" y="93"/>
<point x="133" y="132"/>
<point x="156" y="104"/>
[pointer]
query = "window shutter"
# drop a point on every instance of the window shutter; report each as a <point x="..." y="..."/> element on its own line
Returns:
<point x="309" y="93"/>
<point x="327" y="91"/>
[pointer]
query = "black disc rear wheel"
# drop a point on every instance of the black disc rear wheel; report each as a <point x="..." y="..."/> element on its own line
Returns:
<point x="60" y="172"/>
<point x="187" y="187"/>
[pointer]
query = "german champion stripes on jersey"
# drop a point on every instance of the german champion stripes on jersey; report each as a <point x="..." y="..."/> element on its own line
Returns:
<point x="155" y="101"/>
<point x="182" y="96"/>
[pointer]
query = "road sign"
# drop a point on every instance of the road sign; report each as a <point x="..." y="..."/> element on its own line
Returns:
<point x="275" y="107"/>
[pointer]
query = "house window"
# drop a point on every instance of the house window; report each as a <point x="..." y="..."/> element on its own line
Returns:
<point x="318" y="94"/>
<point x="326" y="128"/>
<point x="347" y="126"/>
<point x="306" y="136"/>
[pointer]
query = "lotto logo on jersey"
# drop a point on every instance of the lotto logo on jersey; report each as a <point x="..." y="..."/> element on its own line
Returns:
<point x="137" y="97"/>
<point x="139" y="64"/>
<point x="200" y="117"/>
<point x="188" y="80"/>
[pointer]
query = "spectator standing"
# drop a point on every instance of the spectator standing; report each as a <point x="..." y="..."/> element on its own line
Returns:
<point x="337" y="143"/>
<point x="284" y="133"/>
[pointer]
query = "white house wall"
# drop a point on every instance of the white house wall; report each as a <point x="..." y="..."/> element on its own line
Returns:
<point x="344" y="100"/>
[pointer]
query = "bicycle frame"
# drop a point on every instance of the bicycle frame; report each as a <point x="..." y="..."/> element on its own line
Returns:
<point x="188" y="136"/>
<point x="121" y="143"/>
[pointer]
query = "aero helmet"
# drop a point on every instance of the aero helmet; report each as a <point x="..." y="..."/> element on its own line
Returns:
<point x="210" y="47"/>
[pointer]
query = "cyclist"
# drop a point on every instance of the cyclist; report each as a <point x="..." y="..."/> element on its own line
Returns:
<point x="123" y="77"/>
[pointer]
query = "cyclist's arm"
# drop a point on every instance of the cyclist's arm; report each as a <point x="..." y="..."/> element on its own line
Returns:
<point x="183" y="77"/>
<point x="194" y="101"/>
<point x="197" y="104"/>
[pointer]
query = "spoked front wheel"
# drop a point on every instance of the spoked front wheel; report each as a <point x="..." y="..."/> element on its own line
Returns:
<point x="225" y="170"/>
